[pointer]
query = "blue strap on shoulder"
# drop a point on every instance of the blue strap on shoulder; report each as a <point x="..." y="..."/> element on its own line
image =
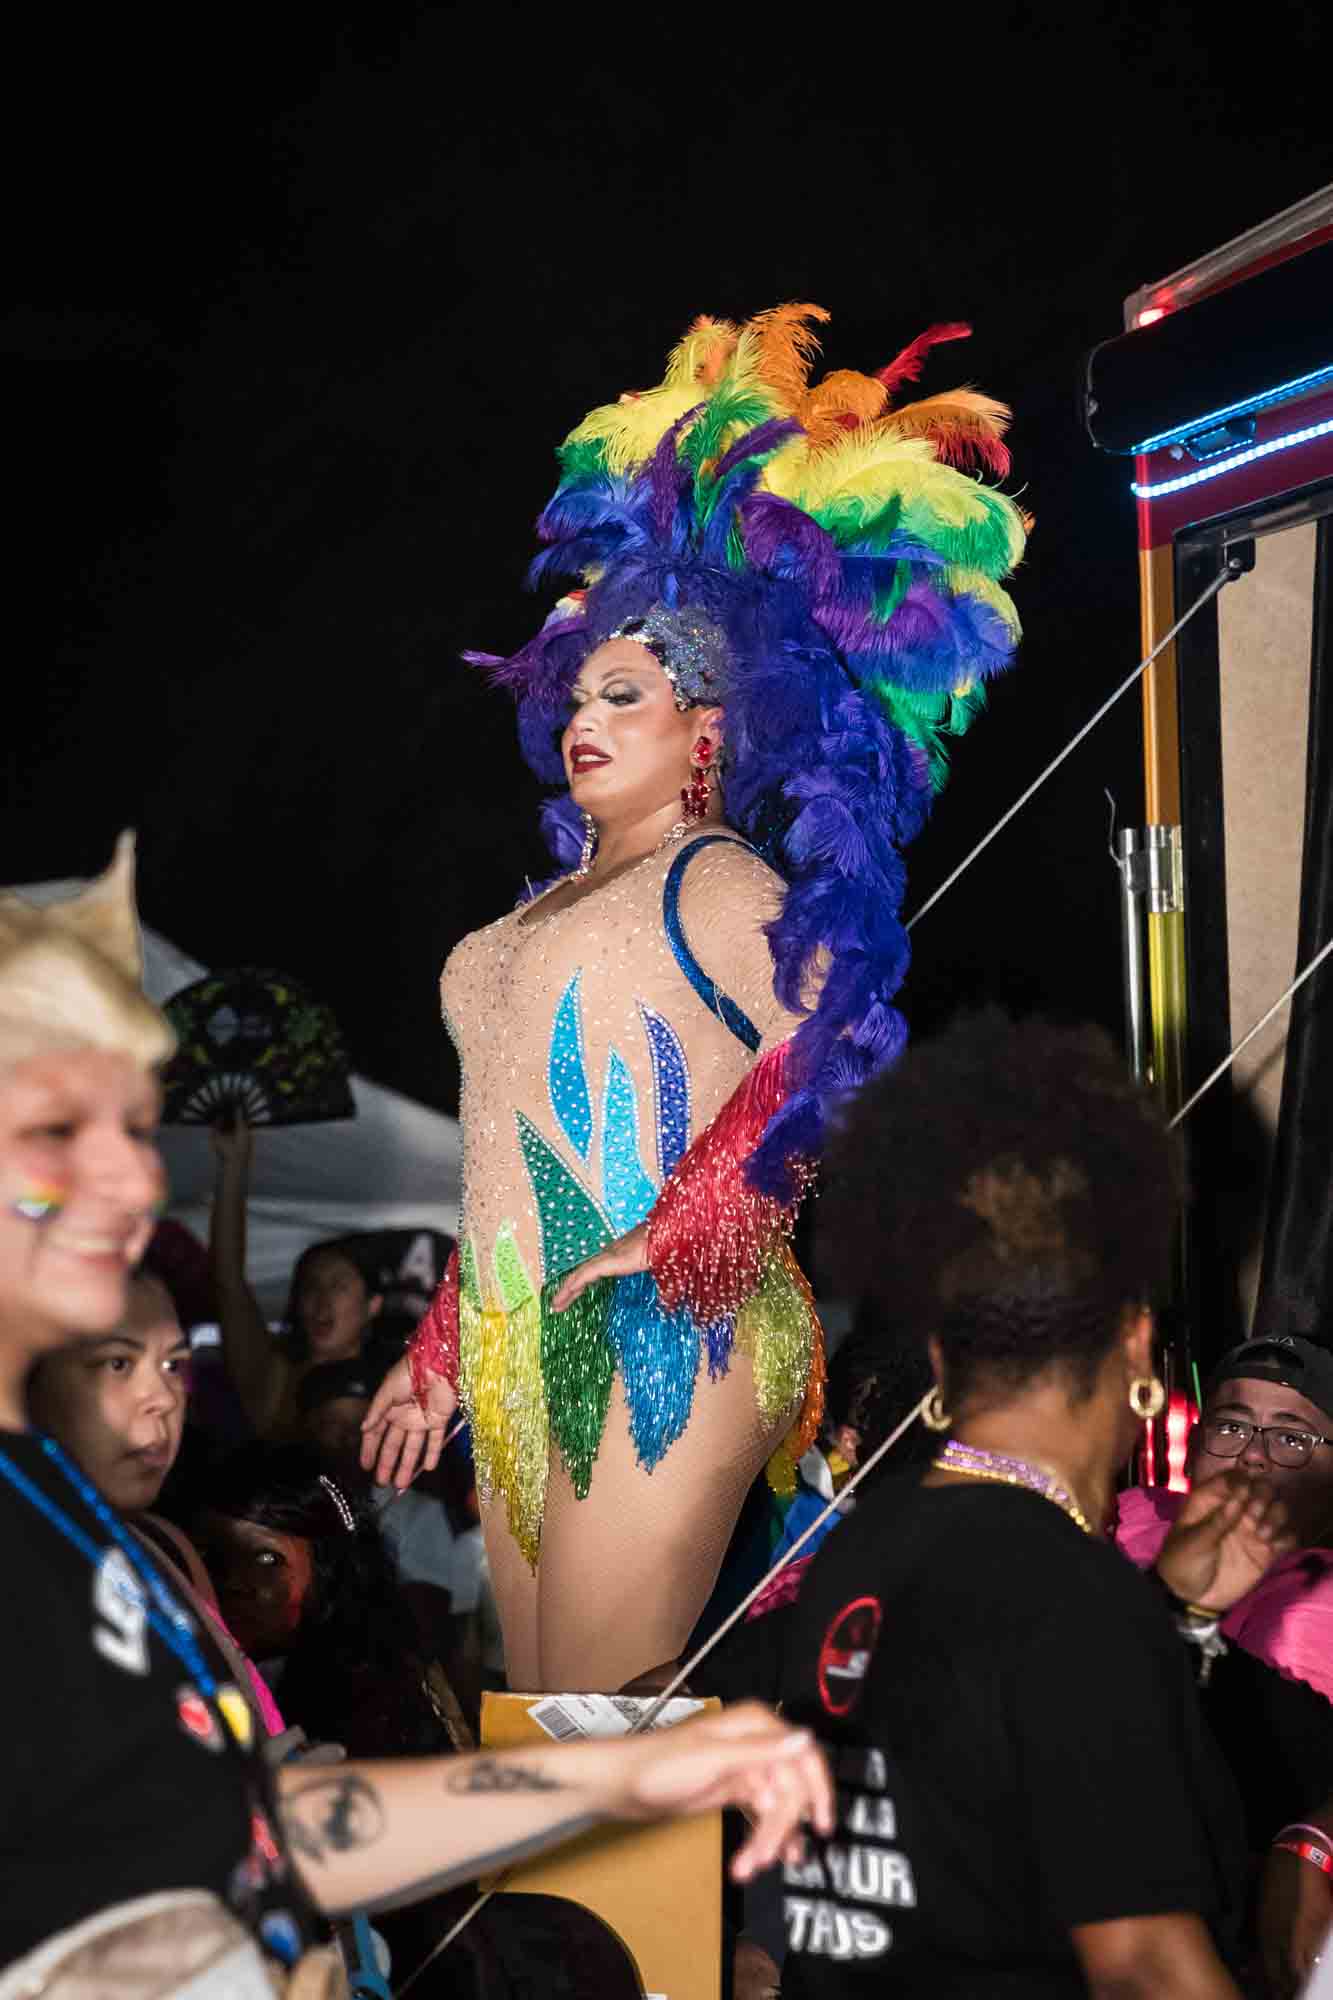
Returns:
<point x="708" y="990"/>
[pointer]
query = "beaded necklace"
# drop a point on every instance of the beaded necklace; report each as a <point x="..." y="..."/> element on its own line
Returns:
<point x="588" y="858"/>
<point x="169" y="1620"/>
<point x="976" y="1463"/>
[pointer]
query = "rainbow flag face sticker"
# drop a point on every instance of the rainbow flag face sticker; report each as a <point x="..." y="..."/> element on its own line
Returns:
<point x="39" y="1203"/>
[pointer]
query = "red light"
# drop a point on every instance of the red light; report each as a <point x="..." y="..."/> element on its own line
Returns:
<point x="1180" y="1414"/>
<point x="1149" y="314"/>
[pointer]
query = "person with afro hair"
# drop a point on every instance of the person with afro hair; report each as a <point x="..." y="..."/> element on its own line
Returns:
<point x="1029" y="1800"/>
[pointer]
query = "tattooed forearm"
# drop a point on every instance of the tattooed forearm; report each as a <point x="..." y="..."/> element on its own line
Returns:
<point x="488" y="1774"/>
<point x="375" y="1838"/>
<point x="332" y="1815"/>
<point x="486" y="1861"/>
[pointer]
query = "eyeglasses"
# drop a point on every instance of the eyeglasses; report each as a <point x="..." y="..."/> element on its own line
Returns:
<point x="1227" y="1437"/>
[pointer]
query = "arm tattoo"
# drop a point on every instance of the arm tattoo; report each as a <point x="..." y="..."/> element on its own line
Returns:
<point x="332" y="1815"/>
<point x="488" y="1774"/>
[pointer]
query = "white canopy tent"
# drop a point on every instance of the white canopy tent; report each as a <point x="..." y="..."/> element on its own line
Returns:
<point x="396" y="1165"/>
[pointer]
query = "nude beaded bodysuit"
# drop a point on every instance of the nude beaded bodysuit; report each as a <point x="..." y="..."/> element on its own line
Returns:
<point x="597" y="1042"/>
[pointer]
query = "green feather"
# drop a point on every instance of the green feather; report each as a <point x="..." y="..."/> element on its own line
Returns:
<point x="847" y="521"/>
<point x="707" y="438"/>
<point x="927" y="718"/>
<point x="884" y="601"/>
<point x="582" y="458"/>
<point x="985" y="544"/>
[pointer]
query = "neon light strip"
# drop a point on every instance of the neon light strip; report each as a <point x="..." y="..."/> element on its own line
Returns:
<point x="1265" y="450"/>
<point x="1243" y="408"/>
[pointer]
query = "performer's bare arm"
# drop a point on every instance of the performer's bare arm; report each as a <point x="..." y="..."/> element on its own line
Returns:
<point x="381" y="1834"/>
<point x="257" y="1370"/>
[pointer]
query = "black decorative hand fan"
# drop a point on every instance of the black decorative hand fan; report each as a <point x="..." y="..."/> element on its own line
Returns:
<point x="254" y="1041"/>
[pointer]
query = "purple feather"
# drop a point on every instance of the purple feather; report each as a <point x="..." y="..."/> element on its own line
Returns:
<point x="761" y="442"/>
<point x="818" y="776"/>
<point x="784" y="540"/>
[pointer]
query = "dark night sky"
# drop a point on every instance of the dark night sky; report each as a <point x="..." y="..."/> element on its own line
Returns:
<point x="295" y="312"/>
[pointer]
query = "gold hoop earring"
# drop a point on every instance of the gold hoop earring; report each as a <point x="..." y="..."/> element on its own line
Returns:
<point x="934" y="1416"/>
<point x="1147" y="1397"/>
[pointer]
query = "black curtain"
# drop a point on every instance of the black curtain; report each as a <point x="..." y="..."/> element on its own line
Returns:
<point x="1296" y="1285"/>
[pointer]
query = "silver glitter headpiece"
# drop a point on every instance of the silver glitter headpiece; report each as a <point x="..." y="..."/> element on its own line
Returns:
<point x="339" y="1500"/>
<point x="689" y="648"/>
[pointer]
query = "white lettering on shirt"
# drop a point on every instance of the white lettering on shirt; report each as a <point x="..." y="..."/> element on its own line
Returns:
<point x="121" y="1636"/>
<point x="824" y="1931"/>
<point x="874" y="1819"/>
<point x="876" y="1770"/>
<point x="865" y="1870"/>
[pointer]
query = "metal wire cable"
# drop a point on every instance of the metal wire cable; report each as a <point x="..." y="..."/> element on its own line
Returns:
<point x="1231" y="568"/>
<point x="1246" y="1039"/>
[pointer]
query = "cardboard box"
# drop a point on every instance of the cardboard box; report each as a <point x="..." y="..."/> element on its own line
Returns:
<point x="658" y="1887"/>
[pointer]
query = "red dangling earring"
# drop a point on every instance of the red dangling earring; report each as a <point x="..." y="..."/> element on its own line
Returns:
<point x="695" y="796"/>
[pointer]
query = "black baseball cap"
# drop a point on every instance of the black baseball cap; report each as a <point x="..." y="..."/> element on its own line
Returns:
<point x="1282" y="1357"/>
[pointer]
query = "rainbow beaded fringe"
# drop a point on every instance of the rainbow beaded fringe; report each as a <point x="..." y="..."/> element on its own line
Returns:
<point x="529" y="1375"/>
<point x="722" y="1278"/>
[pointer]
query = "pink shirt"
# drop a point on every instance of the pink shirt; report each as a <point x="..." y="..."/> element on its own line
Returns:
<point x="1286" y="1620"/>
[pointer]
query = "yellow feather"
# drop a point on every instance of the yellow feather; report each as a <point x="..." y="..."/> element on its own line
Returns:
<point x="865" y="461"/>
<point x="633" y="428"/>
<point x="874" y="467"/>
<point x="701" y="357"/>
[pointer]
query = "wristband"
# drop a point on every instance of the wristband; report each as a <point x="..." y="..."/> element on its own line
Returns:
<point x="1306" y="1849"/>
<point x="1199" y="1614"/>
<point x="1296" y="1826"/>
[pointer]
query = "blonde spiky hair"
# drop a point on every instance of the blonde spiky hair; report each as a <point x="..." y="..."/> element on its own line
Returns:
<point x="70" y="972"/>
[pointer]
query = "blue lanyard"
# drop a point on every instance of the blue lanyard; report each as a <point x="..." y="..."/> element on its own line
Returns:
<point x="168" y="1619"/>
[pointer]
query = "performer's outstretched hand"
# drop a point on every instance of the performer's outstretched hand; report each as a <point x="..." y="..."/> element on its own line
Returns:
<point x="746" y="1757"/>
<point x="627" y="1254"/>
<point x="398" y="1438"/>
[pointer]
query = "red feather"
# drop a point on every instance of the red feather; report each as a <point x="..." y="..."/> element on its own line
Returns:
<point x="912" y="360"/>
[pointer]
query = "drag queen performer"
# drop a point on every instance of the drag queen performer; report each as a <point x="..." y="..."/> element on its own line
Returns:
<point x="789" y="593"/>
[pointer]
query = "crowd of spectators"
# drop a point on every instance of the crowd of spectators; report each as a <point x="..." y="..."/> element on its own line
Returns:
<point x="1054" y="1775"/>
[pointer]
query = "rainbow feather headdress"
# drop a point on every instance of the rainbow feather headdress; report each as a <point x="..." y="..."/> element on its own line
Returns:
<point x="851" y="551"/>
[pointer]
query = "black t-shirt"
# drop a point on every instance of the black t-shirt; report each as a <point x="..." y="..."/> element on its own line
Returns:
<point x="1018" y="1748"/>
<point x="116" y="1779"/>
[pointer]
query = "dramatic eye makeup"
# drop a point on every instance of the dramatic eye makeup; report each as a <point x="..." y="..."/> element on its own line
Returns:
<point x="619" y="693"/>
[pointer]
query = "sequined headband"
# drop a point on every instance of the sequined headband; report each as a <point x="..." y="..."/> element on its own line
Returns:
<point x="344" y="1512"/>
<point x="691" y="651"/>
